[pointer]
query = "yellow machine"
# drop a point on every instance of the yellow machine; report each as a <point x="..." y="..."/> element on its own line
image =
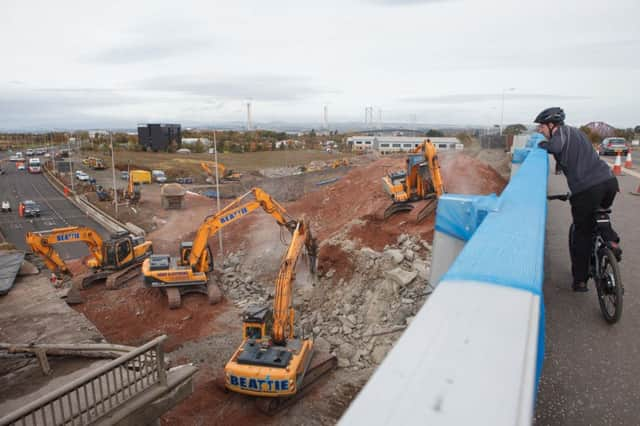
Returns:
<point x="188" y="272"/>
<point x="115" y="259"/>
<point x="271" y="361"/>
<point x="340" y="163"/>
<point x="421" y="181"/>
<point x="224" y="174"/>
<point x="132" y="193"/>
<point x="94" y="163"/>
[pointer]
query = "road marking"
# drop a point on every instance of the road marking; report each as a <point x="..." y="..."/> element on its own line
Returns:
<point x="48" y="204"/>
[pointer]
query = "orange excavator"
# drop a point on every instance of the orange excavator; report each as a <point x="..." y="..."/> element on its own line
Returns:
<point x="188" y="272"/>
<point x="420" y="181"/>
<point x="271" y="362"/>
<point x="224" y="174"/>
<point x="115" y="259"/>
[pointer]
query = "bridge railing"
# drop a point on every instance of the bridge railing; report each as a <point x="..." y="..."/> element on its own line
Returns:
<point x="473" y="353"/>
<point x="93" y="396"/>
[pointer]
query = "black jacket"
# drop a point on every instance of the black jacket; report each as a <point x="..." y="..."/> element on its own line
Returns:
<point x="578" y="160"/>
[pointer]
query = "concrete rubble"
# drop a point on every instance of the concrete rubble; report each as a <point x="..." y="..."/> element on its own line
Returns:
<point x="357" y="319"/>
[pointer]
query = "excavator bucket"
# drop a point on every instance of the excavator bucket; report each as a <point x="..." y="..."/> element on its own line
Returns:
<point x="397" y="208"/>
<point x="429" y="208"/>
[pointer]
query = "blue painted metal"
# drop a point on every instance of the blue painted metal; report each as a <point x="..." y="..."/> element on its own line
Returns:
<point x="460" y="215"/>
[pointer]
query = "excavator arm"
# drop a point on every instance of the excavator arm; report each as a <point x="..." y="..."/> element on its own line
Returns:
<point x="198" y="260"/>
<point x="283" y="312"/>
<point x="43" y="243"/>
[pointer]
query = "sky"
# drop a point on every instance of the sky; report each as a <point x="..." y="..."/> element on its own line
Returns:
<point x="85" y="64"/>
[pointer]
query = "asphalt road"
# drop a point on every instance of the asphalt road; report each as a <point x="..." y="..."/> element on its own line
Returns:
<point x="56" y="210"/>
<point x="591" y="373"/>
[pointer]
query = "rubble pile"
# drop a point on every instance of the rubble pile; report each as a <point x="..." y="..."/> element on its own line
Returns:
<point x="357" y="319"/>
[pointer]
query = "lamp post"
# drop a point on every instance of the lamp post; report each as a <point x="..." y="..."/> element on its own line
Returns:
<point x="511" y="89"/>
<point x="70" y="165"/>
<point x="113" y="170"/>
<point x="215" y="156"/>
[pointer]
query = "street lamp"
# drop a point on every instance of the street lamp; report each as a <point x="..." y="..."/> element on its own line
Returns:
<point x="511" y="89"/>
<point x="113" y="173"/>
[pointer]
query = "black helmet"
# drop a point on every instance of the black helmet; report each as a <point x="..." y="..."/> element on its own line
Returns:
<point x="553" y="115"/>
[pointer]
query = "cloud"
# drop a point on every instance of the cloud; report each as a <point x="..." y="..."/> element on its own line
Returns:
<point x="144" y="52"/>
<point x="406" y="2"/>
<point x="56" y="107"/>
<point x="263" y="87"/>
<point x="488" y="97"/>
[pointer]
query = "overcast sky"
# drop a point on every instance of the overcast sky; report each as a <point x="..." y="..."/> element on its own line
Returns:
<point x="119" y="63"/>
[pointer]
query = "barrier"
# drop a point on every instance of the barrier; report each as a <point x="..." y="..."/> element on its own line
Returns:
<point x="473" y="354"/>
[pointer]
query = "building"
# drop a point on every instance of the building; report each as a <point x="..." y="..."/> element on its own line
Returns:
<point x="192" y="141"/>
<point x="158" y="137"/>
<point x="391" y="144"/>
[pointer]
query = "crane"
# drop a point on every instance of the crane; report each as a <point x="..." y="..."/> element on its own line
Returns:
<point x="271" y="362"/>
<point x="188" y="272"/>
<point x="115" y="259"/>
<point x="420" y="181"/>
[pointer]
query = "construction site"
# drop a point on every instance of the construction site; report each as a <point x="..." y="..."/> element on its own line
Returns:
<point x="341" y="276"/>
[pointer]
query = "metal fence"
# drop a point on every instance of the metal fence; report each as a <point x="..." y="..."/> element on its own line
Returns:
<point x="91" y="397"/>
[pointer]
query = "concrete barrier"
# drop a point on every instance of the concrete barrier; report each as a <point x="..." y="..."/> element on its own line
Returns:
<point x="473" y="354"/>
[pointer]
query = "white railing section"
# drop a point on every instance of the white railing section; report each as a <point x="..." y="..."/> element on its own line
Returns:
<point x="93" y="396"/>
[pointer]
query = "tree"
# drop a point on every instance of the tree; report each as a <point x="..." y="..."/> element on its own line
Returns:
<point x="199" y="147"/>
<point x="593" y="137"/>
<point x="514" y="129"/>
<point x="636" y="129"/>
<point x="433" y="133"/>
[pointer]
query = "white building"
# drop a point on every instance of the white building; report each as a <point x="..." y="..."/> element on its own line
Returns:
<point x="391" y="144"/>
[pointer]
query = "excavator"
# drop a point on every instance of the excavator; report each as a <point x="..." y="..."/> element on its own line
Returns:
<point x="271" y="362"/>
<point x="224" y="174"/>
<point x="115" y="259"/>
<point x="188" y="272"/>
<point x="420" y="181"/>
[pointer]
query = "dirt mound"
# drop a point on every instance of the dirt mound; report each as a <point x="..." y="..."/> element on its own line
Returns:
<point x="134" y="315"/>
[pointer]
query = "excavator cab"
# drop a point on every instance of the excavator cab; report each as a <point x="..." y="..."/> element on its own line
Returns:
<point x="119" y="251"/>
<point x="185" y="252"/>
<point x="257" y="322"/>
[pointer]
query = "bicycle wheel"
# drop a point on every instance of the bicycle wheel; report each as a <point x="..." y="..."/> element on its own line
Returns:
<point x="609" y="286"/>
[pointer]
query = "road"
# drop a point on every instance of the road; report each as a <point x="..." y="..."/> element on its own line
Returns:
<point x="591" y="369"/>
<point x="57" y="211"/>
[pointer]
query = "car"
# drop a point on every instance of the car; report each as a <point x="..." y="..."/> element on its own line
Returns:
<point x="30" y="208"/>
<point x="6" y="207"/>
<point x="611" y="146"/>
<point x="159" y="176"/>
<point x="124" y="175"/>
<point x="21" y="166"/>
<point x="82" y="176"/>
<point x="29" y="152"/>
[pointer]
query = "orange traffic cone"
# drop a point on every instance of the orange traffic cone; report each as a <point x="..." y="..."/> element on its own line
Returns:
<point x="637" y="191"/>
<point x="617" y="167"/>
<point x="628" y="164"/>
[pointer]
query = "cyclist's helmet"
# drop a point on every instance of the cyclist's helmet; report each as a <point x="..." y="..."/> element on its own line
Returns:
<point x="553" y="115"/>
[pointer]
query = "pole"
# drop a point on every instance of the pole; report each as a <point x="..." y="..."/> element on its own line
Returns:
<point x="70" y="165"/>
<point x="113" y="170"/>
<point x="502" y="113"/>
<point x="215" y="157"/>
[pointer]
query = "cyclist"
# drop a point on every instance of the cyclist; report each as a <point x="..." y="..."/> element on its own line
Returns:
<point x="591" y="182"/>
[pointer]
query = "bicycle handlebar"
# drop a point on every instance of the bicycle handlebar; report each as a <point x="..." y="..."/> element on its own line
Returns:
<point x="561" y="197"/>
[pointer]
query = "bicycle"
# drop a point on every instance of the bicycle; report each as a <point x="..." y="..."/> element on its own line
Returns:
<point x="603" y="265"/>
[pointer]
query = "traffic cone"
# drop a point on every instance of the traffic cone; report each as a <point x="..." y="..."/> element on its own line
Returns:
<point x="628" y="164"/>
<point x="637" y="191"/>
<point x="617" y="167"/>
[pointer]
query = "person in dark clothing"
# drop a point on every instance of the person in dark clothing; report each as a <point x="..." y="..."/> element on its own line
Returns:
<point x="591" y="182"/>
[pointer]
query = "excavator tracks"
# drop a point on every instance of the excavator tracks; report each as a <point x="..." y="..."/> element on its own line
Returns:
<point x="321" y="364"/>
<point x="397" y="208"/>
<point x="121" y="277"/>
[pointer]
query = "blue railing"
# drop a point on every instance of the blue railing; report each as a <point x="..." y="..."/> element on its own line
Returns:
<point x="473" y="354"/>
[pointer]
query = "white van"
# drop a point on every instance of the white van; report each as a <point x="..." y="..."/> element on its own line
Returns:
<point x="34" y="165"/>
<point x="159" y="176"/>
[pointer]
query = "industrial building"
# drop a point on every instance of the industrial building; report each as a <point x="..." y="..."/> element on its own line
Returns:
<point x="391" y="144"/>
<point x="158" y="137"/>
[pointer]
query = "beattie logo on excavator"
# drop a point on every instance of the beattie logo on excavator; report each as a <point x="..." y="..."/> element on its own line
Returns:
<point x="231" y="216"/>
<point x="259" y="385"/>
<point x="68" y="236"/>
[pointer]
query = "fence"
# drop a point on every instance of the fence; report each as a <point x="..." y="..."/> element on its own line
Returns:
<point x="93" y="396"/>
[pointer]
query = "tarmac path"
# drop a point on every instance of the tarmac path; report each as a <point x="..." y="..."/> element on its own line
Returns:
<point x="56" y="210"/>
<point x="591" y="371"/>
